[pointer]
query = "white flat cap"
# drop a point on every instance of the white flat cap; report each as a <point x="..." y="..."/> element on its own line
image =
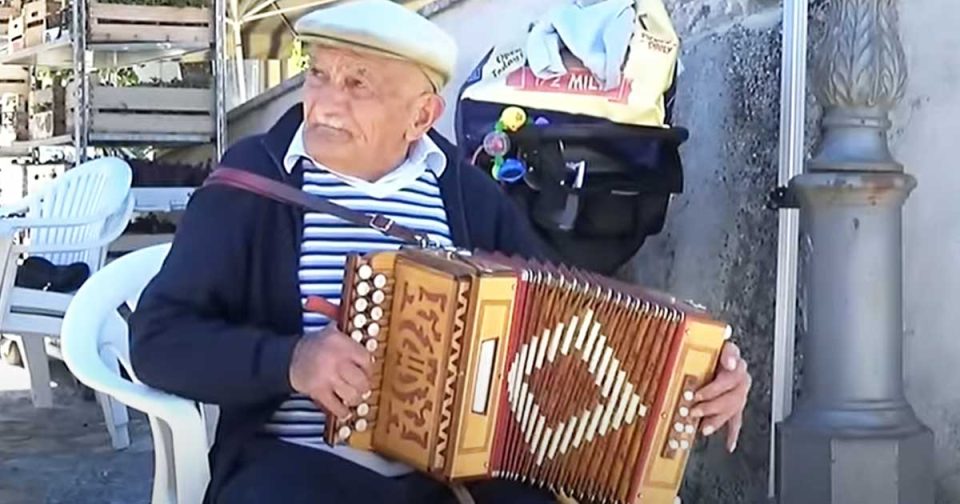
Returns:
<point x="385" y="28"/>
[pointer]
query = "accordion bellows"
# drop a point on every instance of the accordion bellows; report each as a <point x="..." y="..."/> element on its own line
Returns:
<point x="492" y="366"/>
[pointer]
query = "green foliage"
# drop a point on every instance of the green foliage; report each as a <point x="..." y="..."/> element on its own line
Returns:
<point x="299" y="59"/>
<point x="45" y="77"/>
<point x="118" y="77"/>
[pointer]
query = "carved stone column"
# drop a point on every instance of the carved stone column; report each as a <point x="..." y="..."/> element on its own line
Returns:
<point x="852" y="437"/>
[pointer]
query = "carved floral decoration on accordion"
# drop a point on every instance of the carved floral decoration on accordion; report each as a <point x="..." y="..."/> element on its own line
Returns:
<point x="619" y="404"/>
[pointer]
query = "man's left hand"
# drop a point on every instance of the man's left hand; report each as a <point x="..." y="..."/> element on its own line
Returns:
<point x="721" y="401"/>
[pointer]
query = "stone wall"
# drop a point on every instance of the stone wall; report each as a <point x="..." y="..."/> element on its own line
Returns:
<point x="719" y="243"/>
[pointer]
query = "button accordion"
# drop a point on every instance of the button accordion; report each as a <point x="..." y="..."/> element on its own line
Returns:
<point x="493" y="366"/>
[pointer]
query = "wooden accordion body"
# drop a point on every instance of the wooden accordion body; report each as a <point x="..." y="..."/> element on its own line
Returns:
<point x="489" y="366"/>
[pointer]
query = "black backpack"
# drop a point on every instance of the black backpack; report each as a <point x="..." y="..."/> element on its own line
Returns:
<point x="593" y="189"/>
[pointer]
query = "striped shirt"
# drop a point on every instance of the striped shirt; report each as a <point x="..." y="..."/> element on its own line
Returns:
<point x="414" y="202"/>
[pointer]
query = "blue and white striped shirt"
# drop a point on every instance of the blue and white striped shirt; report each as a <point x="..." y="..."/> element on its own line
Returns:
<point x="411" y="196"/>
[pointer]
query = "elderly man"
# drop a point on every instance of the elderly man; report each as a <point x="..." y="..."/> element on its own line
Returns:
<point x="223" y="322"/>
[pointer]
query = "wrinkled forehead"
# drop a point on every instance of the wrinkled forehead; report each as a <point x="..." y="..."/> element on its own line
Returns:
<point x="369" y="64"/>
<point x="360" y="61"/>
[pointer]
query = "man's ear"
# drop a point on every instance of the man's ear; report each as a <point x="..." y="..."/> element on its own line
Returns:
<point x="429" y="109"/>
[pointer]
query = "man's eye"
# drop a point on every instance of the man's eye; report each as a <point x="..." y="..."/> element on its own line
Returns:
<point x="356" y="84"/>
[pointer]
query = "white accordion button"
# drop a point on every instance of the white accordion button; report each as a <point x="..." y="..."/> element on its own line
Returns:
<point x="684" y="411"/>
<point x="344" y="432"/>
<point x="365" y="272"/>
<point x="361" y="425"/>
<point x="376" y="313"/>
<point x="366" y="395"/>
<point x="371" y="345"/>
<point x="360" y="320"/>
<point x="373" y="329"/>
<point x="691" y="429"/>
<point x="363" y="288"/>
<point x="678" y="427"/>
<point x="673" y="444"/>
<point x="361" y="305"/>
<point x="380" y="281"/>
<point x="688" y="395"/>
<point x="378" y="297"/>
<point x="357" y="336"/>
<point x="363" y="409"/>
<point x="684" y="444"/>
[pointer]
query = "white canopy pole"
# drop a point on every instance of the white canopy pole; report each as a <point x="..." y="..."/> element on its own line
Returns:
<point x="792" y="103"/>
<point x="237" y="28"/>
<point x="248" y="17"/>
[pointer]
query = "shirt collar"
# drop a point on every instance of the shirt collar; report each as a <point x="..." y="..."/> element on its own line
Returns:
<point x="424" y="153"/>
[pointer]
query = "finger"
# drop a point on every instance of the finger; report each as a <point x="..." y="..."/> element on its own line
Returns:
<point x="724" y="403"/>
<point x="329" y="401"/>
<point x="717" y="412"/>
<point x="712" y="424"/>
<point x="733" y="431"/>
<point x="354" y="376"/>
<point x="349" y="395"/>
<point x="730" y="356"/>
<point x="360" y="356"/>
<point x="723" y="383"/>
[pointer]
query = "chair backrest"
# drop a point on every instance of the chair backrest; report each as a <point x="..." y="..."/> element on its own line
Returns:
<point x="121" y="281"/>
<point x="95" y="345"/>
<point x="97" y="187"/>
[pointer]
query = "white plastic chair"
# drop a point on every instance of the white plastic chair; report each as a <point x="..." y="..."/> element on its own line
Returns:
<point x="72" y="219"/>
<point x="95" y="342"/>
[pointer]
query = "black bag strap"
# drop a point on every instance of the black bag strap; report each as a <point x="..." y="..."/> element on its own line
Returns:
<point x="283" y="193"/>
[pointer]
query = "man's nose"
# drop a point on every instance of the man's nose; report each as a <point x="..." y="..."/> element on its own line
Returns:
<point x="329" y="96"/>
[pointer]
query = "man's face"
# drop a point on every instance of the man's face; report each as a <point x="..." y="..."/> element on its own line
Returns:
<point x="361" y="112"/>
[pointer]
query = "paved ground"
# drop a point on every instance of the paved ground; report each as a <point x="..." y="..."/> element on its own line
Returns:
<point x="63" y="455"/>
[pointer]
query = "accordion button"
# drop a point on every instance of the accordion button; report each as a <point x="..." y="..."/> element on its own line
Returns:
<point x="363" y="409"/>
<point x="691" y="429"/>
<point x="380" y="281"/>
<point x="365" y="272"/>
<point x="378" y="297"/>
<point x="361" y="425"/>
<point x="684" y="412"/>
<point x="344" y="432"/>
<point x="371" y="345"/>
<point x="363" y="288"/>
<point x="361" y="305"/>
<point x="373" y="329"/>
<point x="688" y="395"/>
<point x="360" y="320"/>
<point x="684" y="444"/>
<point x="376" y="313"/>
<point x="678" y="427"/>
<point x="357" y="336"/>
<point x="366" y="395"/>
<point x="673" y="444"/>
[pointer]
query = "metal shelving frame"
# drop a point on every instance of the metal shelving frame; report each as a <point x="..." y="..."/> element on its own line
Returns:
<point x="83" y="57"/>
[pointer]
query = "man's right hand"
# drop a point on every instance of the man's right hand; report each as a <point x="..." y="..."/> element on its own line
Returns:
<point x="332" y="369"/>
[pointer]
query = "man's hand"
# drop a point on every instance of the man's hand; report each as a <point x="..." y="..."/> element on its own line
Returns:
<point x="722" y="400"/>
<point x="332" y="369"/>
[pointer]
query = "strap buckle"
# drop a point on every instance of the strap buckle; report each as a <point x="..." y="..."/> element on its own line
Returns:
<point x="381" y="223"/>
<point x="424" y="242"/>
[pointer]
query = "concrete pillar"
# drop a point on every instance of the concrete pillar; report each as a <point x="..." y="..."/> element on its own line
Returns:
<point x="852" y="437"/>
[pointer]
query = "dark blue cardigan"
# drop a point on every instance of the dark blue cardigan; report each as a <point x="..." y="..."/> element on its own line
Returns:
<point x="218" y="324"/>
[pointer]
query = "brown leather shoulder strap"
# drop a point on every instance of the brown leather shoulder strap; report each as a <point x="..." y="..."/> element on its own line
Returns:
<point x="283" y="193"/>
